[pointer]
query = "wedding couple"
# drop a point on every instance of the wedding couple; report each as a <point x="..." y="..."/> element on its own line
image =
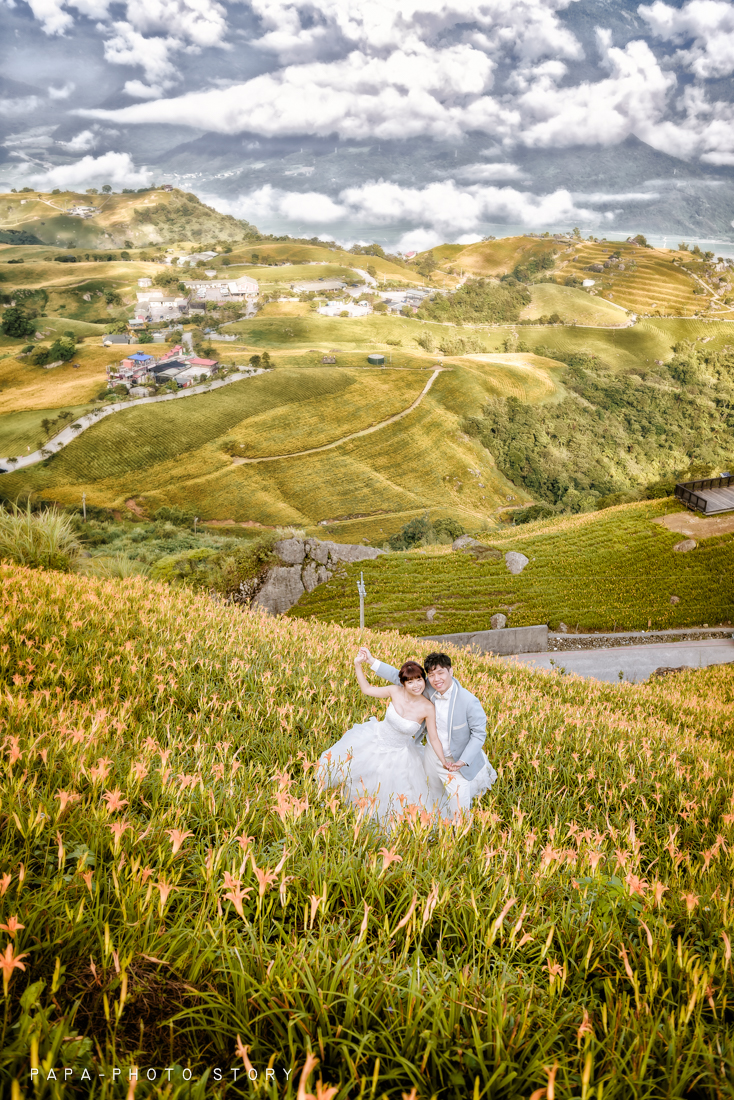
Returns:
<point x="387" y="762"/>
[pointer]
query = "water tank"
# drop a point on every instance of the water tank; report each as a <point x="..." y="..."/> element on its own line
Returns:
<point x="376" y="360"/>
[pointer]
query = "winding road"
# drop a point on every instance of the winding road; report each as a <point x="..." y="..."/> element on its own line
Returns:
<point x="69" y="434"/>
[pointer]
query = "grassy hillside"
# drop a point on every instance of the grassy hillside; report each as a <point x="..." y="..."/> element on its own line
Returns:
<point x="607" y="570"/>
<point x="572" y="306"/>
<point x="172" y="453"/>
<point x="180" y="894"/>
<point x="152" y="217"/>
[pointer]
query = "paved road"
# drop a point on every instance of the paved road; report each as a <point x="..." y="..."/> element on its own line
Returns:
<point x="68" y="435"/>
<point x="637" y="662"/>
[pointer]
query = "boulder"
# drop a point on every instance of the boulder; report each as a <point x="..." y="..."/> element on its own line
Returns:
<point x="515" y="562"/>
<point x="463" y="541"/>
<point x="290" y="551"/>
<point x="282" y="589"/>
<point x="319" y="551"/>
<point x="686" y="545"/>
<point x="347" y="551"/>
<point x="498" y="621"/>
<point x="675" y="599"/>
<point x="431" y="614"/>
<point x="562" y="628"/>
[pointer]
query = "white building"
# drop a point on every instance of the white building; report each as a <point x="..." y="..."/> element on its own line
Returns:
<point x="235" y="290"/>
<point x="145" y="282"/>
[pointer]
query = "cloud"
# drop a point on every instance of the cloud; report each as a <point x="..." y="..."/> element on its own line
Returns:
<point x="490" y="172"/>
<point x="62" y="93"/>
<point x="22" y="105"/>
<point x="444" y="211"/>
<point x="81" y="142"/>
<point x="114" y="168"/>
<point x="708" y="25"/>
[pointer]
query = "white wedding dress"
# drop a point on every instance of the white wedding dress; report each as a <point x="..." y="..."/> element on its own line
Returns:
<point x="380" y="765"/>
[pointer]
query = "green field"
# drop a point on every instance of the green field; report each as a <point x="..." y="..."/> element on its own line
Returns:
<point x="179" y="892"/>
<point x="171" y="453"/>
<point x="572" y="306"/>
<point x="607" y="570"/>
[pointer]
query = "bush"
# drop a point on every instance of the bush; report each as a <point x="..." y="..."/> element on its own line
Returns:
<point x="39" y="540"/>
<point x="17" y="323"/>
<point x="414" y="532"/>
<point x="535" y="511"/>
<point x="177" y="516"/>
<point x="450" y="527"/>
<point x="114" y="566"/>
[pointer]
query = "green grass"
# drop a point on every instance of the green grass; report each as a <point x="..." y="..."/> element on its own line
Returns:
<point x="572" y="306"/>
<point x="22" y="430"/>
<point x="171" y="454"/>
<point x="607" y="570"/>
<point x="188" y="898"/>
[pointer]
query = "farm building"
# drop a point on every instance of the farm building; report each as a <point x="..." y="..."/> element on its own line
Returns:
<point x="114" y="338"/>
<point x="221" y="290"/>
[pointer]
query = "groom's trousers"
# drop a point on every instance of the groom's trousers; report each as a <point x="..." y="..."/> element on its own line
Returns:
<point x="449" y="789"/>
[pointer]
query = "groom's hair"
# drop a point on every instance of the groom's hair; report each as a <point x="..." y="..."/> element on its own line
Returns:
<point x="411" y="670"/>
<point x="437" y="660"/>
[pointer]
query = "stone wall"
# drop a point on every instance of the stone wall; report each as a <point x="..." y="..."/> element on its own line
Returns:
<point x="304" y="564"/>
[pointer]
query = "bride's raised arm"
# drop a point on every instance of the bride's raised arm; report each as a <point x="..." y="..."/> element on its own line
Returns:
<point x="365" y="687"/>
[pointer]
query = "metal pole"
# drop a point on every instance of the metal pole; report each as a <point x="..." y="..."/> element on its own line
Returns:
<point x="196" y="520"/>
<point x="362" y="592"/>
<point x="84" y="506"/>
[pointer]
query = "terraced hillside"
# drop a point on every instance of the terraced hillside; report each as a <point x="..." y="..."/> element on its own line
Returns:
<point x="607" y="570"/>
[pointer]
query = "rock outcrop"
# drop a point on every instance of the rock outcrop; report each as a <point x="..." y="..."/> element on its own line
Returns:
<point x="498" y="621"/>
<point x="303" y="565"/>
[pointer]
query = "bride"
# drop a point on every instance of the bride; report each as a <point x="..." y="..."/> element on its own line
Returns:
<point x="380" y="761"/>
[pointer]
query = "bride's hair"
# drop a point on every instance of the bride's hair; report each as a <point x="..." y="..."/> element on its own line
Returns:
<point x="411" y="670"/>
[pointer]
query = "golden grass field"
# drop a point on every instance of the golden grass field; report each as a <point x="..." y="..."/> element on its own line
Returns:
<point x="572" y="306"/>
<point x="172" y="453"/>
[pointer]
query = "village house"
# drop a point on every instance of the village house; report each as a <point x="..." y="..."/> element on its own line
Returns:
<point x="156" y="305"/>
<point x="230" y="290"/>
<point x="113" y="338"/>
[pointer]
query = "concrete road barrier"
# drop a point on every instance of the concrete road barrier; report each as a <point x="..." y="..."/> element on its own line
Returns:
<point x="509" y="640"/>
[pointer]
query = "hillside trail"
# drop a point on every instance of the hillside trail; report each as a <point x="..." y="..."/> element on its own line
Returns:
<point x="353" y="435"/>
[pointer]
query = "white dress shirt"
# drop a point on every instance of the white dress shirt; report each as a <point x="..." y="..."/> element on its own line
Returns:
<point x="442" y="703"/>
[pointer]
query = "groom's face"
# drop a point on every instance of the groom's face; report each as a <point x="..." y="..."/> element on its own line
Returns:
<point x="440" y="678"/>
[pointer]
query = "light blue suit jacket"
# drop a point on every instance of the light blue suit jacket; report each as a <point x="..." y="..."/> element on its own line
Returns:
<point x="467" y="723"/>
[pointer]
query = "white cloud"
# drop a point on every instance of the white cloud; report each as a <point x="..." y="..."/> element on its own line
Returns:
<point x="442" y="211"/>
<point x="63" y="92"/>
<point x="129" y="47"/>
<point x="708" y="25"/>
<point x="139" y="90"/>
<point x="21" y="106"/>
<point x="114" y="168"/>
<point x="81" y="142"/>
<point x="490" y="172"/>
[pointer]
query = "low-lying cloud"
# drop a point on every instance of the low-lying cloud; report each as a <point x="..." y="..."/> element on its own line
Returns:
<point x="117" y="169"/>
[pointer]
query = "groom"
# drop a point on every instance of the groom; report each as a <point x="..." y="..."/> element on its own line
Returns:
<point x="461" y="725"/>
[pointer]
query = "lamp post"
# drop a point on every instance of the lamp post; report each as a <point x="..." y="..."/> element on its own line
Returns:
<point x="362" y="592"/>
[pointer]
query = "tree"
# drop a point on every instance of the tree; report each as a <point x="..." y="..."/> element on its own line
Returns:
<point x="145" y="338"/>
<point x="17" y="323"/>
<point x="124" y="255"/>
<point x="106" y="189"/>
<point x="427" y="265"/>
<point x="92" y="191"/>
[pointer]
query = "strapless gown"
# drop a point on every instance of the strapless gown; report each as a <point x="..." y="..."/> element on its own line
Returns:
<point x="380" y="765"/>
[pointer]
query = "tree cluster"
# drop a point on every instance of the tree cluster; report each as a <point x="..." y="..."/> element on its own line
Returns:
<point x="615" y="433"/>
<point x="478" y="301"/>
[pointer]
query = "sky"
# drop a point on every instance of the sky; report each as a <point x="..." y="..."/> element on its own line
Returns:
<point x="96" y="91"/>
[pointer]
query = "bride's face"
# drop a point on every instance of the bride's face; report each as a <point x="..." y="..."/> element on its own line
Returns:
<point x="415" y="687"/>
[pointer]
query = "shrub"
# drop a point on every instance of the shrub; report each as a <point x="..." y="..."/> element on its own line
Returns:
<point x="414" y="532"/>
<point x="115" y="566"/>
<point x="535" y="511"/>
<point x="39" y="540"/>
<point x="177" y="516"/>
<point x="17" y="323"/>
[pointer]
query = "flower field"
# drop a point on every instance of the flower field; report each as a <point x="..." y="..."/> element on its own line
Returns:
<point x="177" y="896"/>
<point x="614" y="569"/>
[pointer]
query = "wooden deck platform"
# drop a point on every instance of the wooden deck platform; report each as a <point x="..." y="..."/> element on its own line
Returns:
<point x="710" y="496"/>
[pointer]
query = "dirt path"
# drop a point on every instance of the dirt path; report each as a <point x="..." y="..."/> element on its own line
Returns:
<point x="346" y="438"/>
<point x="686" y="524"/>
